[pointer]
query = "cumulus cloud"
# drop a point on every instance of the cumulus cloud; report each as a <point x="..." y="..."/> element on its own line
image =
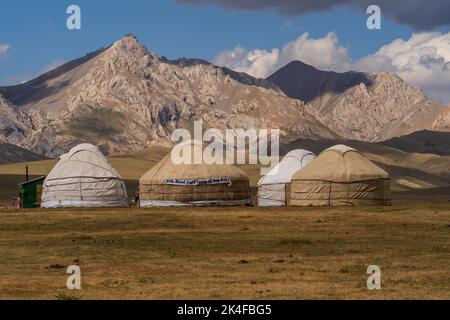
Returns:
<point x="4" y="48"/>
<point x="415" y="13"/>
<point x="324" y="53"/>
<point x="258" y="63"/>
<point x="423" y="60"/>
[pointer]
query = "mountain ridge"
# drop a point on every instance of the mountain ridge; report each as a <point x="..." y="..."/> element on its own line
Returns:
<point x="315" y="82"/>
<point x="362" y="106"/>
<point x="10" y="153"/>
<point x="125" y="98"/>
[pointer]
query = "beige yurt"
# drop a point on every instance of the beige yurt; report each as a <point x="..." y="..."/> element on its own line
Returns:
<point x="84" y="178"/>
<point x="273" y="186"/>
<point x="193" y="183"/>
<point x="340" y="176"/>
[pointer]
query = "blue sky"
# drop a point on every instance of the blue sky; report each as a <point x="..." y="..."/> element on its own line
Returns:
<point x="37" y="34"/>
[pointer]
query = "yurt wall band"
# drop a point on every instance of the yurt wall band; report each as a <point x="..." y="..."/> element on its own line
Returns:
<point x="156" y="203"/>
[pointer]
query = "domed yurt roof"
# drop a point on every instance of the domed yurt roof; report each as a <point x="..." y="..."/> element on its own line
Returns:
<point x="167" y="169"/>
<point x="84" y="160"/>
<point x="341" y="164"/>
<point x="288" y="166"/>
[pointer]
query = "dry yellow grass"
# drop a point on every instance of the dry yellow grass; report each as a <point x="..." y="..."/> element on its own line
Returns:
<point x="229" y="253"/>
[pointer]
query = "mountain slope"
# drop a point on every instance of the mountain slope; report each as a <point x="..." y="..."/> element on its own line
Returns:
<point x="12" y="154"/>
<point x="48" y="92"/>
<point x="422" y="142"/>
<point x="125" y="98"/>
<point x="366" y="107"/>
<point x="15" y="125"/>
<point x="304" y="82"/>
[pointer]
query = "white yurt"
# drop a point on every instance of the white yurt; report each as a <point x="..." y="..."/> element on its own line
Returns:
<point x="272" y="187"/>
<point x="83" y="178"/>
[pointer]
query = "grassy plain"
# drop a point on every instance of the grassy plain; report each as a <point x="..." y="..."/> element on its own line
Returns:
<point x="227" y="253"/>
<point x="232" y="253"/>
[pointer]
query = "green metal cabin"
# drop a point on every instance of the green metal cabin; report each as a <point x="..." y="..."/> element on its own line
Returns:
<point x="30" y="193"/>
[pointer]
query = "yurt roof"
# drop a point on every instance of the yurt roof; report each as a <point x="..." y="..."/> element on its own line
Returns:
<point x="84" y="160"/>
<point x="288" y="166"/>
<point x="340" y="148"/>
<point x="341" y="164"/>
<point x="167" y="169"/>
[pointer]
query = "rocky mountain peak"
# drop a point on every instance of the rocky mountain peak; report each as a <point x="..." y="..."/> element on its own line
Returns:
<point x="127" y="99"/>
<point x="127" y="55"/>
<point x="299" y="80"/>
<point x="124" y="61"/>
<point x="296" y="66"/>
<point x="360" y="106"/>
<point x="124" y="98"/>
<point x="391" y="84"/>
<point x="129" y="45"/>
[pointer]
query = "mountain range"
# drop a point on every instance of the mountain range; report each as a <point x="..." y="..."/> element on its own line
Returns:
<point x="125" y="98"/>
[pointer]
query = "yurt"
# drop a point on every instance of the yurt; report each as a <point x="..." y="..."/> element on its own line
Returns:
<point x="192" y="183"/>
<point x="83" y="178"/>
<point x="340" y="176"/>
<point x="272" y="187"/>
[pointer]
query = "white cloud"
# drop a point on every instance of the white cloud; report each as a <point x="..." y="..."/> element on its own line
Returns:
<point x="325" y="53"/>
<point x="257" y="63"/>
<point x="4" y="48"/>
<point x="424" y="59"/>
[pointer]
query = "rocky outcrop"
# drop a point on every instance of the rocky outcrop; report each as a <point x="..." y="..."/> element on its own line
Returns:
<point x="443" y="121"/>
<point x="15" y="125"/>
<point x="360" y="106"/>
<point x="129" y="99"/>
<point x="388" y="108"/>
<point x="125" y="98"/>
